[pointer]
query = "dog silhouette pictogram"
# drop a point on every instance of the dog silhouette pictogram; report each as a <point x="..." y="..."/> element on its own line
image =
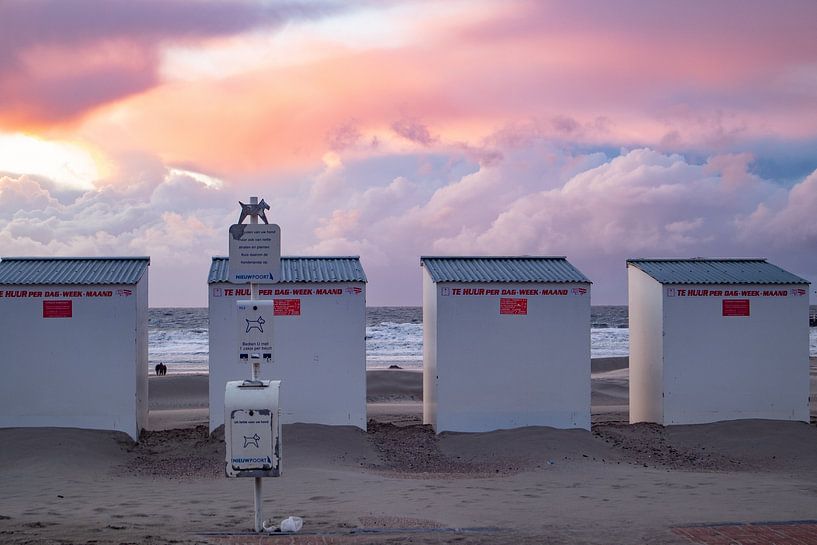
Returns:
<point x="255" y="324"/>
<point x="252" y="440"/>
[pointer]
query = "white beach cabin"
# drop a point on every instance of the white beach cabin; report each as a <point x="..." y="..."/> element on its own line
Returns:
<point x="717" y="339"/>
<point x="74" y="341"/>
<point x="506" y="343"/>
<point x="319" y="339"/>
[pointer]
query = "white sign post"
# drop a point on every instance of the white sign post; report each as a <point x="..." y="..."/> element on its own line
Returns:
<point x="255" y="257"/>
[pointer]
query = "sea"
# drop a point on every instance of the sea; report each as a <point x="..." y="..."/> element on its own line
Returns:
<point x="394" y="336"/>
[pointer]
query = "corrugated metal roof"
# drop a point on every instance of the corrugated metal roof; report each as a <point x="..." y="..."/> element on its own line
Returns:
<point x="302" y="269"/>
<point x="72" y="270"/>
<point x="502" y="269"/>
<point x="715" y="271"/>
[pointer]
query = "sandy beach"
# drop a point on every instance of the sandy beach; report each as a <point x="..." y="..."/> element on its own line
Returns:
<point x="400" y="483"/>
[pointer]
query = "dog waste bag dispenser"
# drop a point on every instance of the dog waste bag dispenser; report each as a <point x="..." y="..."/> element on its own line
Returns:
<point x="252" y="428"/>
<point x="255" y="330"/>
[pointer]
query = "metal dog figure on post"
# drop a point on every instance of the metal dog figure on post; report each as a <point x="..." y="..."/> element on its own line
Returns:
<point x="257" y="209"/>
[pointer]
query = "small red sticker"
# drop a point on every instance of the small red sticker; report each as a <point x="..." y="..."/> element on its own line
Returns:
<point x="736" y="307"/>
<point x="287" y="307"/>
<point x="58" y="309"/>
<point x="513" y="306"/>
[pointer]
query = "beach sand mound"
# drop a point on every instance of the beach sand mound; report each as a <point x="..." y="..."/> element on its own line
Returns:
<point x="193" y="453"/>
<point x="527" y="448"/>
<point x="176" y="454"/>
<point x="317" y="445"/>
<point x="415" y="450"/>
<point x="762" y="445"/>
<point x="61" y="449"/>
<point x="383" y="385"/>
<point x="175" y="392"/>
<point x="740" y="445"/>
<point x="614" y="363"/>
<point x="611" y="388"/>
<point x="520" y="486"/>
<point x="526" y="485"/>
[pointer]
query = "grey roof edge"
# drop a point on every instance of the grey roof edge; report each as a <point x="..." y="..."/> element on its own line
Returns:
<point x="422" y="257"/>
<point x="72" y="258"/>
<point x="776" y="274"/>
<point x="302" y="257"/>
<point x="72" y="270"/>
<point x="477" y="269"/>
<point x="693" y="259"/>
<point x="221" y="272"/>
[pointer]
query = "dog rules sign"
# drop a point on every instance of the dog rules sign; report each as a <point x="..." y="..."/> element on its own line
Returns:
<point x="255" y="254"/>
<point x="255" y="337"/>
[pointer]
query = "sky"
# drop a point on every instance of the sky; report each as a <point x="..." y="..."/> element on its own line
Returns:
<point x="596" y="130"/>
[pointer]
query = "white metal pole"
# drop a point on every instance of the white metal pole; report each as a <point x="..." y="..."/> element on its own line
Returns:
<point x="256" y="364"/>
<point x="256" y="372"/>
<point x="258" y="516"/>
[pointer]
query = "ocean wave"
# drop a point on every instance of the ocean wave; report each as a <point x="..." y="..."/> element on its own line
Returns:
<point x="394" y="336"/>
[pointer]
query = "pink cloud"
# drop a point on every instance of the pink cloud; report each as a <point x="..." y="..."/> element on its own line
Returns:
<point x="413" y="130"/>
<point x="642" y="74"/>
<point x="597" y="212"/>
<point x="539" y="198"/>
<point x="523" y="127"/>
<point x="344" y="135"/>
<point x="22" y="193"/>
<point x="789" y="224"/>
<point x="58" y="60"/>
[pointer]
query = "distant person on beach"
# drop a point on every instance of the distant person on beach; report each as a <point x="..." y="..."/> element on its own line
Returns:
<point x="161" y="369"/>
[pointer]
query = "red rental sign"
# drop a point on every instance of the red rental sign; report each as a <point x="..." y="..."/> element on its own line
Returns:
<point x="736" y="307"/>
<point x="513" y="306"/>
<point x="57" y="309"/>
<point x="286" y="307"/>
